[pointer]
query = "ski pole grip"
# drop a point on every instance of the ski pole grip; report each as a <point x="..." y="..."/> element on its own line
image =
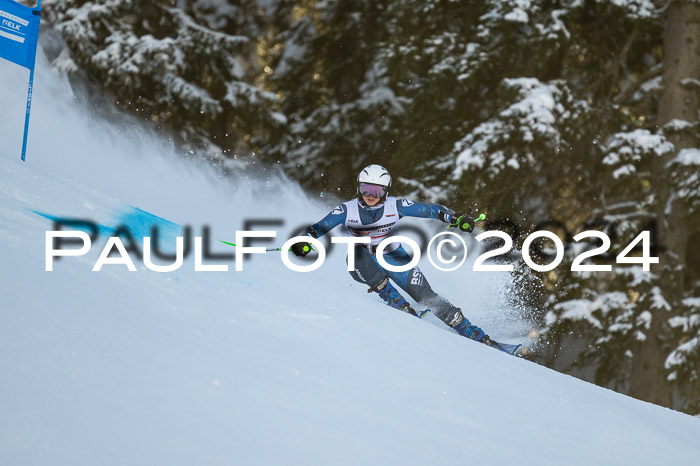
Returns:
<point x="477" y="219"/>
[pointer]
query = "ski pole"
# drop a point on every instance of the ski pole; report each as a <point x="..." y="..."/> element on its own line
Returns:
<point x="306" y="248"/>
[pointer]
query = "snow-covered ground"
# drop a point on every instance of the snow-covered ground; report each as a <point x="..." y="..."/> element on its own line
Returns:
<point x="264" y="366"/>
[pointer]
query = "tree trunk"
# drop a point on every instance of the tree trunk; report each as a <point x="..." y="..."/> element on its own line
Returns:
<point x="678" y="101"/>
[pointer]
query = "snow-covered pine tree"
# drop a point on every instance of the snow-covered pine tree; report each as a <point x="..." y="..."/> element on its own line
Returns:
<point x="187" y="66"/>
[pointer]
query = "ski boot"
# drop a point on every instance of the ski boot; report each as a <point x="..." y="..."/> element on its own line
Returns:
<point x="466" y="329"/>
<point x="391" y="296"/>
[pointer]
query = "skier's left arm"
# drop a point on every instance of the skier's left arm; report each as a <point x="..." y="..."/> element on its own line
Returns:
<point x="408" y="208"/>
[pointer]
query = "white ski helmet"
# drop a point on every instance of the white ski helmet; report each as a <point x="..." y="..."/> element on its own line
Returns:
<point x="374" y="175"/>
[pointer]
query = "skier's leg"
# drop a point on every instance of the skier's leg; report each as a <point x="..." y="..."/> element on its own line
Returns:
<point x="447" y="312"/>
<point x="416" y="285"/>
<point x="368" y="271"/>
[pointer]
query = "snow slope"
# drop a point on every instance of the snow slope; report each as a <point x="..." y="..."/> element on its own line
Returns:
<point x="265" y="366"/>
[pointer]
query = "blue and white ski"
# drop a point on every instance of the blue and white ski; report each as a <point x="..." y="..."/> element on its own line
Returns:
<point x="513" y="350"/>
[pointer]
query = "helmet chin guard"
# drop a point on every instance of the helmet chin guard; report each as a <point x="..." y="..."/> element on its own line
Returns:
<point x="374" y="175"/>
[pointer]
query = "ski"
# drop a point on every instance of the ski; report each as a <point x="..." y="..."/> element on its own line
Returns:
<point x="513" y="350"/>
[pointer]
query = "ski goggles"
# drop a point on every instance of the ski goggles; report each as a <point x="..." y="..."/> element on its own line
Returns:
<point x="367" y="189"/>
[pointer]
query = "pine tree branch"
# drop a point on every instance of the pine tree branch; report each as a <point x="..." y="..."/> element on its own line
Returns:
<point x="652" y="72"/>
<point x="614" y="66"/>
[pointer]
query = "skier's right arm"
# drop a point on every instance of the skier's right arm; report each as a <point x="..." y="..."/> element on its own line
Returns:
<point x="327" y="223"/>
<point x="336" y="217"/>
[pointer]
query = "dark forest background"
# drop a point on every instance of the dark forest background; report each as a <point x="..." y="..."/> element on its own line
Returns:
<point x="560" y="115"/>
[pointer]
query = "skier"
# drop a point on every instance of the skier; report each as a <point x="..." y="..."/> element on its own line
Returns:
<point x="375" y="214"/>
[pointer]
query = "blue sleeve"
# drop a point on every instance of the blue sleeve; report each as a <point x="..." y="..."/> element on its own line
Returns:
<point x="330" y="221"/>
<point x="416" y="209"/>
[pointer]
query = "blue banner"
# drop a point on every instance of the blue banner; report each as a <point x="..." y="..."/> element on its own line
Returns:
<point x="19" y="33"/>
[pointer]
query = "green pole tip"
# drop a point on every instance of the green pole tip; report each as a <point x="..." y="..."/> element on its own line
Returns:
<point x="306" y="249"/>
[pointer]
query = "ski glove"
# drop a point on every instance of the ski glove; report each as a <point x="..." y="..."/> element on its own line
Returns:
<point x="301" y="249"/>
<point x="463" y="223"/>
